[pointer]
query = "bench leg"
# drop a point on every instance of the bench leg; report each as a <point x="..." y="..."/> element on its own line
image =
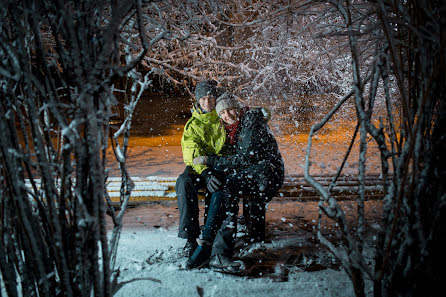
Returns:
<point x="254" y="214"/>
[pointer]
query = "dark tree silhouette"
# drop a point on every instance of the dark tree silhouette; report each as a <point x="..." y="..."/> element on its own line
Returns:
<point x="403" y="42"/>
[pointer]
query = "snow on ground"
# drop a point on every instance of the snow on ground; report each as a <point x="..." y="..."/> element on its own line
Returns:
<point x="150" y="262"/>
<point x="289" y="263"/>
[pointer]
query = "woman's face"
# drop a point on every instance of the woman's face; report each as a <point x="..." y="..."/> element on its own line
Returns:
<point x="229" y="116"/>
<point x="207" y="103"/>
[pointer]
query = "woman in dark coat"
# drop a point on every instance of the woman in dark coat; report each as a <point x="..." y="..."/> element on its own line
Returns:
<point x="254" y="168"/>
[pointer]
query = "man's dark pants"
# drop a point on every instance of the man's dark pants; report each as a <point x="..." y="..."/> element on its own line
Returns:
<point x="187" y="186"/>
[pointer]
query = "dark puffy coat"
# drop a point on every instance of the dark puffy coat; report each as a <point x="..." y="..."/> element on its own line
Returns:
<point x="255" y="153"/>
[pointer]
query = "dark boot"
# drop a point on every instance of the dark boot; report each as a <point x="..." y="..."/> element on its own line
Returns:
<point x="200" y="257"/>
<point x="189" y="247"/>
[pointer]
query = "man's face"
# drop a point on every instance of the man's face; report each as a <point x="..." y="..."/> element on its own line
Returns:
<point x="207" y="103"/>
<point x="229" y="115"/>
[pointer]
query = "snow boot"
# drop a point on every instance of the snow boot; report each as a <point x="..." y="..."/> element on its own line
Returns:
<point x="200" y="257"/>
<point x="189" y="247"/>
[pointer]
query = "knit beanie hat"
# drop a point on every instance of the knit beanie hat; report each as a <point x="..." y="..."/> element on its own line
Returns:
<point x="227" y="100"/>
<point x="204" y="88"/>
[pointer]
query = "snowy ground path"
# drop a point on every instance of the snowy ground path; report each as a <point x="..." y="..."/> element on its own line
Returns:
<point x="151" y="259"/>
<point x="289" y="263"/>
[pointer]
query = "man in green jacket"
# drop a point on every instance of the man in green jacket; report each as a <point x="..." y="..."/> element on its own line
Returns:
<point x="203" y="135"/>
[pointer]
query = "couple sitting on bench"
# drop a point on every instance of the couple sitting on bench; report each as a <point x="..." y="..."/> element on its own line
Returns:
<point x="229" y="149"/>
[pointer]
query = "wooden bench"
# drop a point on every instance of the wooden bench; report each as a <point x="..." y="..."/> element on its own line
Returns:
<point x="158" y="188"/>
<point x="294" y="188"/>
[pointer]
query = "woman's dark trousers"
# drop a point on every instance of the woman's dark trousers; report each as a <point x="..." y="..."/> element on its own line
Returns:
<point x="261" y="184"/>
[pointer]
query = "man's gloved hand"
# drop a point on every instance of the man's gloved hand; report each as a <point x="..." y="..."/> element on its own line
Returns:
<point x="213" y="183"/>
<point x="202" y="160"/>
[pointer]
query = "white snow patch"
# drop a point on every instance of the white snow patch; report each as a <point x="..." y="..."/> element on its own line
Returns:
<point x="149" y="255"/>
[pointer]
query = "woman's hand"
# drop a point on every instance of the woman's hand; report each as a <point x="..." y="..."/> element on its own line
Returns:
<point x="202" y="160"/>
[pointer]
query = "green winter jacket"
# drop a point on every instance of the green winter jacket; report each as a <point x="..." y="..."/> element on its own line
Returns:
<point x="203" y="135"/>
